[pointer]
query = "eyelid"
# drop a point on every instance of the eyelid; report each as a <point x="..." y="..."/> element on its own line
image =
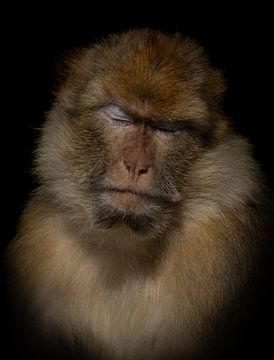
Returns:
<point x="115" y="112"/>
<point x="170" y="131"/>
<point x="167" y="128"/>
<point x="116" y="117"/>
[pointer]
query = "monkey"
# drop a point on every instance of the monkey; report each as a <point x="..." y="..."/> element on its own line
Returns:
<point x="147" y="233"/>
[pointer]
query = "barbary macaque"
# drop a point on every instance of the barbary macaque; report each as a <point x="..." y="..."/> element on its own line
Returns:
<point x="147" y="233"/>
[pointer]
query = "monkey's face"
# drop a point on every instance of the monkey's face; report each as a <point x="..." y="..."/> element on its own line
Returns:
<point x="139" y="173"/>
<point x="138" y="119"/>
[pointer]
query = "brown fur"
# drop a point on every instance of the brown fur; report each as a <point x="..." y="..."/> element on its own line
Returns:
<point x="159" y="277"/>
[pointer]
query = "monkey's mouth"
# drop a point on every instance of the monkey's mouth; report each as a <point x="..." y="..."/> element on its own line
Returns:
<point x="140" y="211"/>
<point x="126" y="198"/>
<point x="126" y="207"/>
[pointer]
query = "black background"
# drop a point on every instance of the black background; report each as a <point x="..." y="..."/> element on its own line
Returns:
<point x="238" y="41"/>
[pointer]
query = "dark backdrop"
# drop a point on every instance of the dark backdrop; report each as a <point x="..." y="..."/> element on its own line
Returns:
<point x="237" y="40"/>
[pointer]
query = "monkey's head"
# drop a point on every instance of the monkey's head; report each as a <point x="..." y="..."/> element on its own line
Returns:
<point x="132" y="115"/>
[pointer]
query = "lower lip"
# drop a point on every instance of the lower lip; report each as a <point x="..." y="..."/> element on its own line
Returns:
<point x="126" y="199"/>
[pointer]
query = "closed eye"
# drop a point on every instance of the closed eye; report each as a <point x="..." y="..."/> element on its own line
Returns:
<point x="116" y="117"/>
<point x="167" y="130"/>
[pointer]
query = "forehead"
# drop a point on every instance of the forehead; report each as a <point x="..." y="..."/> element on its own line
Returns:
<point x="149" y="79"/>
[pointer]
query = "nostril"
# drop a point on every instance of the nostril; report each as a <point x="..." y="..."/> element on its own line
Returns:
<point x="142" y="171"/>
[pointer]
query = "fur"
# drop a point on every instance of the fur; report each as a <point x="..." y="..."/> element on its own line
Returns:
<point x="164" y="278"/>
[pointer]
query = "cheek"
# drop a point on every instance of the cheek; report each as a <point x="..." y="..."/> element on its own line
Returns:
<point x="179" y="158"/>
<point x="89" y="154"/>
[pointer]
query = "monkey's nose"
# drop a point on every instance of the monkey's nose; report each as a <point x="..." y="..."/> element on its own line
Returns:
<point x="136" y="166"/>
